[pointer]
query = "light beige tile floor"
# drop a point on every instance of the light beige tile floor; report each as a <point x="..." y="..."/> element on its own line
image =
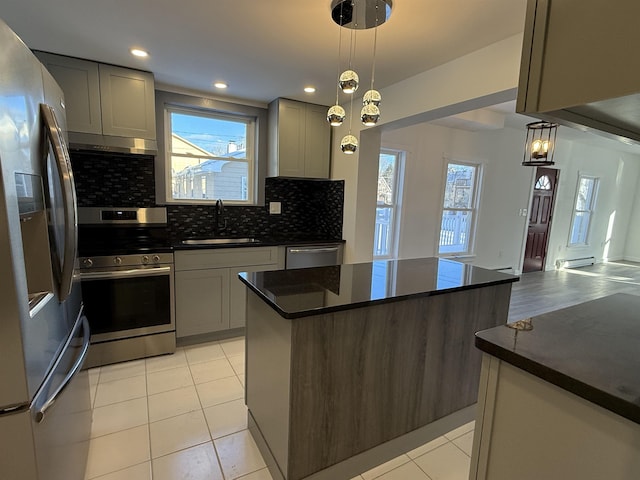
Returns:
<point x="182" y="416"/>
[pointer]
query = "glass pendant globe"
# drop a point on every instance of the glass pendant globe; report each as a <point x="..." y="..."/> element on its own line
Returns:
<point x="349" y="81"/>
<point x="371" y="96"/>
<point x="369" y="115"/>
<point x="349" y="144"/>
<point x="335" y="116"/>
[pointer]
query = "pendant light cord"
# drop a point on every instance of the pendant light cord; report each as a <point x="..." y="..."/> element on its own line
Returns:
<point x="339" y="51"/>
<point x="375" y="42"/>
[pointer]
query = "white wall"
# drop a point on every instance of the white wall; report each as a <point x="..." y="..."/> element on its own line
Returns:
<point x="618" y="174"/>
<point x="506" y="188"/>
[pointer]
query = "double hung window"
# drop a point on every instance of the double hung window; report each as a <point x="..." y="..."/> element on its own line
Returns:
<point x="459" y="208"/>
<point x="583" y="210"/>
<point x="387" y="203"/>
<point x="210" y="156"/>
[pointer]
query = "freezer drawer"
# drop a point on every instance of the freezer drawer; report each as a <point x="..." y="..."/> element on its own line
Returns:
<point x="61" y="413"/>
<point x="313" y="256"/>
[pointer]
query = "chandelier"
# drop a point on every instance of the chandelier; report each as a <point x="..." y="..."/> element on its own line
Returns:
<point x="540" y="144"/>
<point x="357" y="15"/>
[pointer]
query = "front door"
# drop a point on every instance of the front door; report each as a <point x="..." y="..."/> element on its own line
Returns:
<point x="540" y="219"/>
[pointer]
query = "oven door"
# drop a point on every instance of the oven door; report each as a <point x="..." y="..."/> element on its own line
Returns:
<point x="128" y="302"/>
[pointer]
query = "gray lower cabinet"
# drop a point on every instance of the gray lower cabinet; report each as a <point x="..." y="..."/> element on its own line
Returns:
<point x="202" y="301"/>
<point x="104" y="99"/>
<point x="209" y="296"/>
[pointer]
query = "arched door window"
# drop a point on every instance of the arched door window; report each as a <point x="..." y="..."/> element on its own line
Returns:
<point x="543" y="183"/>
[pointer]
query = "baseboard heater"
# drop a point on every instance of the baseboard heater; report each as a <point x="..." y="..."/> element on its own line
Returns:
<point x="575" y="262"/>
<point x="504" y="270"/>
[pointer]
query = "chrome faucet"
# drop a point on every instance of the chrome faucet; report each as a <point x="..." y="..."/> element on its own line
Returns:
<point x="218" y="216"/>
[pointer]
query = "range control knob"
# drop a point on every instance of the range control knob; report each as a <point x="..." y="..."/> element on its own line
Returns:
<point x="87" y="262"/>
<point x="156" y="259"/>
<point x="145" y="259"/>
<point x="117" y="261"/>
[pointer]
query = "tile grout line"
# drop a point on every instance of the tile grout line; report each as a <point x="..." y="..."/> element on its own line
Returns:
<point x="213" y="443"/>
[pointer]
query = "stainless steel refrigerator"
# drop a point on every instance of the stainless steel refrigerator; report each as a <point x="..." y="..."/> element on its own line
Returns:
<point x="45" y="411"/>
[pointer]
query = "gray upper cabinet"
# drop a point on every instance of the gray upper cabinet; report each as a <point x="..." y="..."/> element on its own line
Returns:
<point x="128" y="102"/>
<point x="299" y="139"/>
<point x="80" y="82"/>
<point x="577" y="67"/>
<point x="104" y="99"/>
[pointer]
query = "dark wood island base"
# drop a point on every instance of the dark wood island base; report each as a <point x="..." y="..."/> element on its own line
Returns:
<point x="336" y="389"/>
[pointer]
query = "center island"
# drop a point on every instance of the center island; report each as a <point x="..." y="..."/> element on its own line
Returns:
<point x="349" y="366"/>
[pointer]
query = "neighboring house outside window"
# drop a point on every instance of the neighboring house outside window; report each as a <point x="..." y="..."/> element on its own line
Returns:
<point x="459" y="208"/>
<point x="583" y="210"/>
<point x="387" y="213"/>
<point x="210" y="156"/>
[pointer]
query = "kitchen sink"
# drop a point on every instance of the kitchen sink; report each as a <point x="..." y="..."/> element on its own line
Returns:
<point x="219" y="241"/>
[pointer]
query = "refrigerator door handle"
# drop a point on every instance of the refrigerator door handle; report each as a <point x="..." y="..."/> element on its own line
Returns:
<point x="61" y="154"/>
<point x="86" y="336"/>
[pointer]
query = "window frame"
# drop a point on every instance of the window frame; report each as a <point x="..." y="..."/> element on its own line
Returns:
<point x="590" y="210"/>
<point x="474" y="209"/>
<point x="187" y="102"/>
<point x="398" y="179"/>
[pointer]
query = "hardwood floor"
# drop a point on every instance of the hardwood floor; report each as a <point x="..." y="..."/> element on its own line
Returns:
<point x="542" y="292"/>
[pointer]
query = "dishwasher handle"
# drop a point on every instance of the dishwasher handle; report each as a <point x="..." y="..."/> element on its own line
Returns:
<point x="313" y="250"/>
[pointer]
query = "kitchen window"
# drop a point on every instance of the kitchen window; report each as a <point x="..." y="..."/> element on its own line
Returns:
<point x="387" y="211"/>
<point x="211" y="155"/>
<point x="210" y="149"/>
<point x="459" y="208"/>
<point x="583" y="210"/>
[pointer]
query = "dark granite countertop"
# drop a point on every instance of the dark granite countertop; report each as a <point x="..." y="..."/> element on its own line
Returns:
<point x="591" y="350"/>
<point x="314" y="291"/>
<point x="260" y="241"/>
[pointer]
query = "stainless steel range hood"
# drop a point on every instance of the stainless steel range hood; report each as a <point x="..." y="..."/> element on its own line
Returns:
<point x="107" y="143"/>
<point x="578" y="67"/>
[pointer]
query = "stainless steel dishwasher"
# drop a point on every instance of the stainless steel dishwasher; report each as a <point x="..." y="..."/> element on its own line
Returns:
<point x="304" y="256"/>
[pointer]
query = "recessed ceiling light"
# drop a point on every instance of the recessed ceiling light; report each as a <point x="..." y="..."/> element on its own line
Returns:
<point x="220" y="85"/>
<point x="309" y="89"/>
<point x="139" y="52"/>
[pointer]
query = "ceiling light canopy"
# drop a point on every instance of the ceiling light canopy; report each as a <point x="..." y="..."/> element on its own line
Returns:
<point x="357" y="15"/>
<point x="360" y="14"/>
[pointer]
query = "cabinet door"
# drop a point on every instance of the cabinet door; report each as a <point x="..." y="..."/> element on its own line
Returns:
<point x="317" y="142"/>
<point x="202" y="301"/>
<point x="291" y="128"/>
<point x="128" y="102"/>
<point x="80" y="83"/>
<point x="238" y="293"/>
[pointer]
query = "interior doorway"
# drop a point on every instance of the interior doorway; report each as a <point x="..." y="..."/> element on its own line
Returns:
<point x="540" y="216"/>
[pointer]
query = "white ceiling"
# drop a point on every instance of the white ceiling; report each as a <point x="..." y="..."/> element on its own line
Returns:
<point x="262" y="49"/>
<point x="273" y="48"/>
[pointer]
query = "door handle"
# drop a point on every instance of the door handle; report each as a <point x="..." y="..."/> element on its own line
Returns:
<point x="86" y="337"/>
<point x="61" y="154"/>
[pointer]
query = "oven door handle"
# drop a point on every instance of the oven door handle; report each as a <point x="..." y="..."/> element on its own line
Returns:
<point x="115" y="274"/>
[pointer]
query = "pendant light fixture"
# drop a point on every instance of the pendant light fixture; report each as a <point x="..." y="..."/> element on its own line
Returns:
<point x="336" y="114"/>
<point x="357" y="15"/>
<point x="540" y="144"/>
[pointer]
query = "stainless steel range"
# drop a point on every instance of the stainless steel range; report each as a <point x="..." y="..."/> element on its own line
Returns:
<point x="126" y="273"/>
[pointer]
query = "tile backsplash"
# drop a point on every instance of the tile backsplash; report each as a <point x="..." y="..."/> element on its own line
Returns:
<point x="309" y="206"/>
<point x="113" y="180"/>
